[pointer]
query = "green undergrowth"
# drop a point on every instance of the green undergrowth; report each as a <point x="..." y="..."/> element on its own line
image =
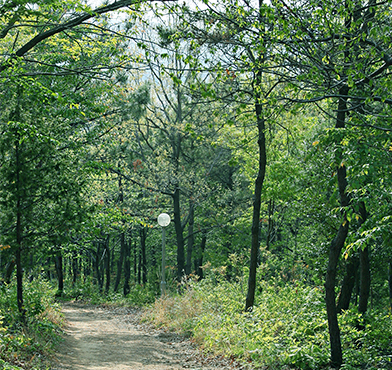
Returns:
<point x="86" y="291"/>
<point x="28" y="345"/>
<point x="286" y="329"/>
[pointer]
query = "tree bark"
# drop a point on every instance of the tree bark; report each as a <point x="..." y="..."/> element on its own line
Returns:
<point x="337" y="243"/>
<point x="333" y="326"/>
<point x="364" y="282"/>
<point x="191" y="239"/>
<point x="75" y="268"/>
<point x="199" y="259"/>
<point x="127" y="265"/>
<point x="107" y="264"/>
<point x="9" y="268"/>
<point x="120" y="262"/>
<point x="348" y="283"/>
<point x="271" y="207"/>
<point x="96" y="266"/>
<point x="19" y="231"/>
<point x="139" y="270"/>
<point x="135" y="260"/>
<point x="390" y="283"/>
<point x="364" y="263"/>
<point x="257" y="195"/>
<point x="60" y="274"/>
<point x="143" y="260"/>
<point x="179" y="235"/>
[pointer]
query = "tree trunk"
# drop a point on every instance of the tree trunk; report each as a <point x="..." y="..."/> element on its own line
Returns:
<point x="364" y="282"/>
<point x="333" y="326"/>
<point x="390" y="283"/>
<point x="75" y="267"/>
<point x="199" y="259"/>
<point x="96" y="265"/>
<point x="60" y="275"/>
<point x="18" y="251"/>
<point x="19" y="282"/>
<point x="348" y="284"/>
<point x="257" y="195"/>
<point x="107" y="263"/>
<point x="271" y="206"/>
<point x="139" y="267"/>
<point x="120" y="262"/>
<point x="337" y="243"/>
<point x="143" y="261"/>
<point x="351" y="273"/>
<point x="135" y="260"/>
<point x="127" y="265"/>
<point x="9" y="268"/>
<point x="179" y="235"/>
<point x="122" y="237"/>
<point x="191" y="239"/>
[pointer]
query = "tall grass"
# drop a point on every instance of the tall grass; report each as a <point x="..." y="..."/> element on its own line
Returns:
<point x="28" y="345"/>
<point x="286" y="329"/>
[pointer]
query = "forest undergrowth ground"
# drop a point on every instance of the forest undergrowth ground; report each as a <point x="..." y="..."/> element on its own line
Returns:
<point x="203" y="327"/>
<point x="112" y="337"/>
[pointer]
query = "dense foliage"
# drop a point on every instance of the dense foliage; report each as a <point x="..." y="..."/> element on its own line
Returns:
<point x="287" y="329"/>
<point x="29" y="346"/>
<point x="263" y="130"/>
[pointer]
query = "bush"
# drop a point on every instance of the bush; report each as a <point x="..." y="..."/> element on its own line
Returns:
<point x="287" y="328"/>
<point x="27" y="346"/>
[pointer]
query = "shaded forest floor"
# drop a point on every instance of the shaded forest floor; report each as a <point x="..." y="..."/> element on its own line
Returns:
<point x="101" y="338"/>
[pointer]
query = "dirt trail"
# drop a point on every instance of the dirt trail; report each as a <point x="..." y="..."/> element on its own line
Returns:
<point x="111" y="339"/>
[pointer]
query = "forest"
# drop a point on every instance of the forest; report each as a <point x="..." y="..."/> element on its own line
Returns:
<point x="262" y="128"/>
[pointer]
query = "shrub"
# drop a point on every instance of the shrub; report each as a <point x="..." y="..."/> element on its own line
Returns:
<point x="287" y="328"/>
<point x="27" y="346"/>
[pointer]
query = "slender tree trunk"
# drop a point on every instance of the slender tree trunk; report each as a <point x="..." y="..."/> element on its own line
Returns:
<point x="337" y="243"/>
<point x="390" y="283"/>
<point x="19" y="282"/>
<point x="364" y="268"/>
<point x="120" y="262"/>
<point x="139" y="267"/>
<point x="364" y="282"/>
<point x="348" y="283"/>
<point x="191" y="239"/>
<point x="127" y="265"/>
<point x="199" y="259"/>
<point x="97" y="264"/>
<point x="18" y="251"/>
<point x="333" y="325"/>
<point x="107" y="263"/>
<point x="9" y="268"/>
<point x="135" y="260"/>
<point x="143" y="261"/>
<point x="271" y="206"/>
<point x="179" y="235"/>
<point x="351" y="272"/>
<point x="75" y="267"/>
<point x="60" y="275"/>
<point x="257" y="194"/>
<point x="122" y="237"/>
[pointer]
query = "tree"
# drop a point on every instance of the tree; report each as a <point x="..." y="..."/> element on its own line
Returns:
<point x="338" y="53"/>
<point x="43" y="120"/>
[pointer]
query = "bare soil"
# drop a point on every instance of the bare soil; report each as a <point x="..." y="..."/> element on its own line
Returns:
<point x="107" y="338"/>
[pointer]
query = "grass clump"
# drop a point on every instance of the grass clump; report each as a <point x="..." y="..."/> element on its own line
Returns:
<point x="287" y="328"/>
<point x="29" y="345"/>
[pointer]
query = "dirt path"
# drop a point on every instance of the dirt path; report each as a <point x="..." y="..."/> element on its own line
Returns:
<point x="111" y="339"/>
